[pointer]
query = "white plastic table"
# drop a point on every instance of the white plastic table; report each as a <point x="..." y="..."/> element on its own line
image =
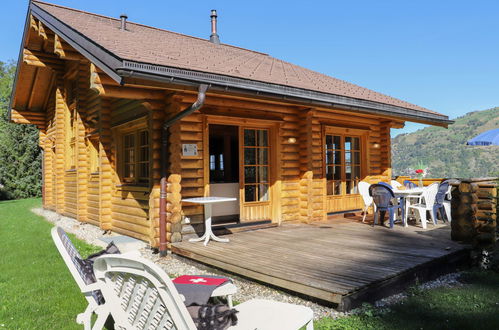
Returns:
<point x="404" y="193"/>
<point x="207" y="202"/>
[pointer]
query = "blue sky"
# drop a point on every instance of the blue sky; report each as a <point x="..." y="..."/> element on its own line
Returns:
<point x="442" y="55"/>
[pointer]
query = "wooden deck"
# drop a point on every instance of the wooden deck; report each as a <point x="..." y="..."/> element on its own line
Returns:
<point x="340" y="262"/>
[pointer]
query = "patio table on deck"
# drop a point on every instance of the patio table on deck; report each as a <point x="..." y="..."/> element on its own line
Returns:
<point x="403" y="193"/>
<point x="207" y="202"/>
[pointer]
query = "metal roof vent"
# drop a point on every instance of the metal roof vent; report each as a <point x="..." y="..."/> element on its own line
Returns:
<point x="214" y="36"/>
<point x="123" y="22"/>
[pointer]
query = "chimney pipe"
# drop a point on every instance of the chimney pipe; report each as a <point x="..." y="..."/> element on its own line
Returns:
<point x="123" y="22"/>
<point x="214" y="36"/>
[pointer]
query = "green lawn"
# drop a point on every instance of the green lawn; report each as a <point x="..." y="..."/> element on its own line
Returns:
<point x="36" y="289"/>
<point x="38" y="292"/>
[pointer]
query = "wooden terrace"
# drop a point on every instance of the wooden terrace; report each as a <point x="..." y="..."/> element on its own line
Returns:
<point x="341" y="262"/>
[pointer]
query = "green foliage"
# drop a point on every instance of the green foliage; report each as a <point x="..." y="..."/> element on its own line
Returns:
<point x="20" y="156"/>
<point x="445" y="152"/>
<point x="37" y="290"/>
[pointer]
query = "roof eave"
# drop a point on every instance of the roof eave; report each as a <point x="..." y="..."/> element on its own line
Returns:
<point x="105" y="60"/>
<point x="18" y="66"/>
<point x="262" y="89"/>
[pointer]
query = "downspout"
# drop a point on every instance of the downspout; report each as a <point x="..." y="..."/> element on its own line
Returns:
<point x="164" y="159"/>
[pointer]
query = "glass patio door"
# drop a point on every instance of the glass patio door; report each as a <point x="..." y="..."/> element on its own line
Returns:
<point x="343" y="164"/>
<point x="255" y="174"/>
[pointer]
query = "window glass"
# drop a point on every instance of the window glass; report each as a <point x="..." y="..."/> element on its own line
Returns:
<point x="342" y="164"/>
<point x="256" y="165"/>
<point x="136" y="157"/>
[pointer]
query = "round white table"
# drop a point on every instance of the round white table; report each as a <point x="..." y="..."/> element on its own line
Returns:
<point x="207" y="202"/>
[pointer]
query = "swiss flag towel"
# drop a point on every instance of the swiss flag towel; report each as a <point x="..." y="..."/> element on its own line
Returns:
<point x="197" y="289"/>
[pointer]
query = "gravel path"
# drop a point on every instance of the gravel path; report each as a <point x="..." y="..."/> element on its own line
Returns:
<point x="176" y="265"/>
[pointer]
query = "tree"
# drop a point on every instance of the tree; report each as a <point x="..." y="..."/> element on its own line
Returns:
<point x="20" y="155"/>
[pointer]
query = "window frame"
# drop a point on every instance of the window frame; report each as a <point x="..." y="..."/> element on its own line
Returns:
<point x="134" y="128"/>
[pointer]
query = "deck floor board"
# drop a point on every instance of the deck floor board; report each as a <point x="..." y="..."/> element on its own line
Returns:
<point x="329" y="260"/>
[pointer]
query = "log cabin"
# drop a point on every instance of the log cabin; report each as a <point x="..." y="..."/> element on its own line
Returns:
<point x="133" y="118"/>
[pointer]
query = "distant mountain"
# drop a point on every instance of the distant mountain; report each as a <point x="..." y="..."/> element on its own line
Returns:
<point x="445" y="152"/>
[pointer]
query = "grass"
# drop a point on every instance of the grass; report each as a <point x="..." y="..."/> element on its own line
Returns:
<point x="38" y="292"/>
<point x="474" y="305"/>
<point x="36" y="288"/>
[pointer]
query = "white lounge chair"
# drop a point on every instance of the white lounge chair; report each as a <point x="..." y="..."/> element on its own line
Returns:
<point x="368" y="200"/>
<point x="91" y="291"/>
<point x="140" y="295"/>
<point x="424" y="203"/>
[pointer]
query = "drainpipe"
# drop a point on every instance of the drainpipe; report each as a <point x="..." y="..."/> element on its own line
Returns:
<point x="164" y="159"/>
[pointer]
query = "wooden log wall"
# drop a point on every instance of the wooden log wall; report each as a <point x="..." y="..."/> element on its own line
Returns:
<point x="474" y="213"/>
<point x="486" y="215"/>
<point x="48" y="145"/>
<point x="173" y="209"/>
<point x="92" y="106"/>
<point x="129" y="203"/>
<point x="81" y="150"/>
<point x="60" y="144"/>
<point x="191" y="168"/>
<point x="290" y="166"/>
<point x="106" y="183"/>
<point x="70" y="194"/>
<point x="385" y="150"/>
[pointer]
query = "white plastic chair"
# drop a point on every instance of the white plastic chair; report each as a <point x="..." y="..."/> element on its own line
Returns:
<point x="396" y="184"/>
<point x="368" y="200"/>
<point x="425" y="203"/>
<point x="447" y="203"/>
<point x="140" y="295"/>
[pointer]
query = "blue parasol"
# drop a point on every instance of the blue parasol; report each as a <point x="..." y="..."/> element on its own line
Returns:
<point x="487" y="138"/>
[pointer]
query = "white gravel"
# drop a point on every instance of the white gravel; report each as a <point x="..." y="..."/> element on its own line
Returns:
<point x="175" y="265"/>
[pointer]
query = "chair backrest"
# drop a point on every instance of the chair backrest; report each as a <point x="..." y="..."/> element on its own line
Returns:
<point x="381" y="194"/>
<point x="140" y="295"/>
<point x="443" y="189"/>
<point x="364" y="192"/>
<point x="395" y="184"/>
<point x="385" y="184"/>
<point x="409" y="184"/>
<point x="429" y="194"/>
<point x="69" y="254"/>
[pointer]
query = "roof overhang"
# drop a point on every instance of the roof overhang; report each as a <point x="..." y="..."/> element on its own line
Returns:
<point x="120" y="69"/>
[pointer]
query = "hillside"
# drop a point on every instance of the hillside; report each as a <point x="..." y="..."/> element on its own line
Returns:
<point x="445" y="152"/>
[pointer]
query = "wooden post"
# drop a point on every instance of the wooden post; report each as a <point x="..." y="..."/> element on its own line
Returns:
<point x="173" y="210"/>
<point x="156" y="127"/>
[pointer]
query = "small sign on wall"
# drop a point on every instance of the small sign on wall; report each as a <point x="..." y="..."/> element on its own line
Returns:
<point x="189" y="149"/>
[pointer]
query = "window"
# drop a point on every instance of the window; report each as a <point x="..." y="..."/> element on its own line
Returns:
<point x="343" y="164"/>
<point x="256" y="165"/>
<point x="136" y="157"/>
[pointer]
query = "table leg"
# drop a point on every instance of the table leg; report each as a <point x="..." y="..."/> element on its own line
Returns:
<point x="208" y="234"/>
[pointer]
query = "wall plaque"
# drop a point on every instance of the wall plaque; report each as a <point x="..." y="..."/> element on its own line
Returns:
<point x="189" y="149"/>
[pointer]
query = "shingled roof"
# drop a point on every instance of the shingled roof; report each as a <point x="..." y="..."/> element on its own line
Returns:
<point x="165" y="51"/>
